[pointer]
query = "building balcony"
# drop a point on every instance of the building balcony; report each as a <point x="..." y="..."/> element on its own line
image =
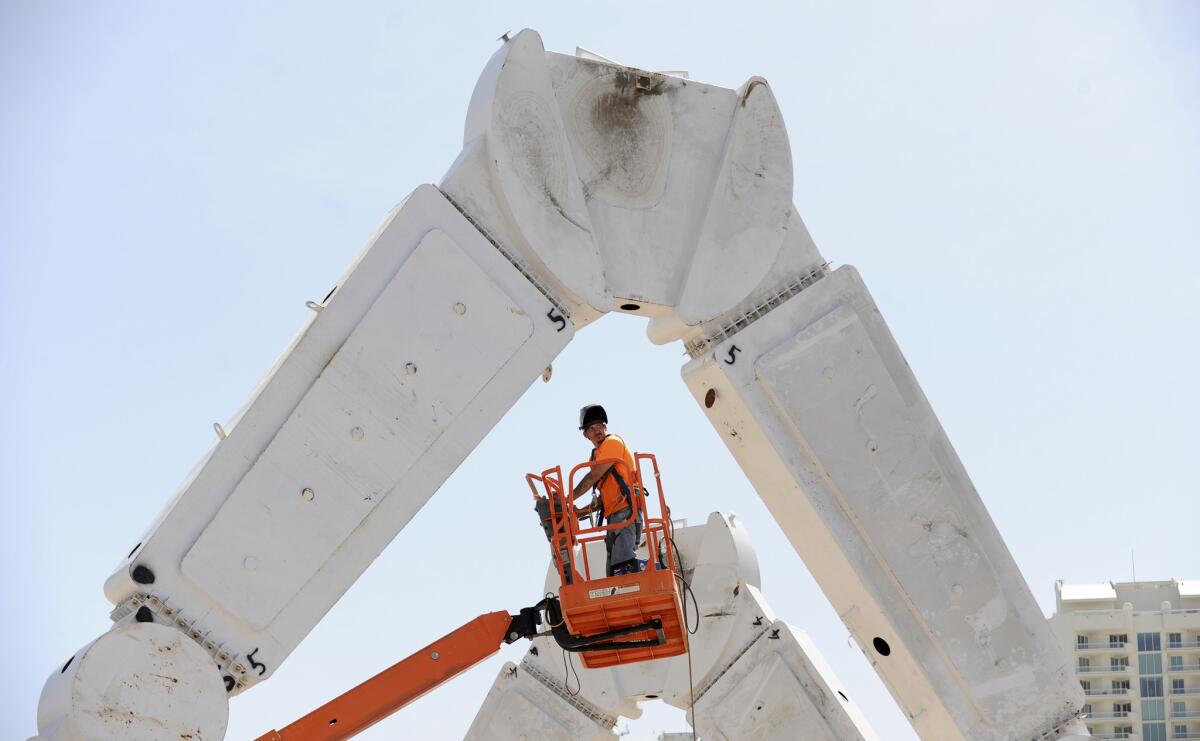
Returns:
<point x="1106" y="736"/>
<point x="1186" y="714"/>
<point x="1112" y="693"/>
<point x="1186" y="734"/>
<point x="1185" y="691"/>
<point x="1183" y="645"/>
<point x="1105" y="646"/>
<point x="1182" y="668"/>
<point x="1110" y="715"/>
<point x="1101" y="669"/>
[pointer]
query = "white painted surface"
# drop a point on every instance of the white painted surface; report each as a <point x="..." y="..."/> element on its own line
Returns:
<point x="526" y="187"/>
<point x="826" y="419"/>
<point x="781" y="688"/>
<point x="398" y="382"/>
<point x="749" y="209"/>
<point x="138" y="681"/>
<point x="387" y="358"/>
<point x="626" y="186"/>
<point x="520" y="707"/>
<point x="1088" y="591"/>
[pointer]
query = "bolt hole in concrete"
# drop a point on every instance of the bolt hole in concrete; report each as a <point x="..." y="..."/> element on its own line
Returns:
<point x="630" y="307"/>
<point x="881" y="646"/>
<point x="333" y="722"/>
<point x="710" y="398"/>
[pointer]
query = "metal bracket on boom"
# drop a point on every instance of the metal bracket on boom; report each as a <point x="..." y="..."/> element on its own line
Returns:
<point x="524" y="624"/>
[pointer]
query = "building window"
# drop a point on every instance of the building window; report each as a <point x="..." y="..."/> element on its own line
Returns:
<point x="1149" y="663"/>
<point x="1120" y="684"/>
<point x="1081" y="641"/>
<point x="1178" y="708"/>
<point x="1085" y="684"/>
<point x="1124" y="708"/>
<point x="1176" y="662"/>
<point x="1149" y="642"/>
<point x="1119" y="663"/>
<point x="1084" y="664"/>
<point x="1151" y="686"/>
<point x="1086" y="709"/>
<point x="1116" y="640"/>
<point x="1119" y="730"/>
<point x="1181" y="730"/>
<point x="1174" y="640"/>
<point x="1153" y="710"/>
<point x="1154" y="732"/>
<point x="1177" y="686"/>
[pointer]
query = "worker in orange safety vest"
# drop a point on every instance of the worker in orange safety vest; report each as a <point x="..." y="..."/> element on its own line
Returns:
<point x="614" y="480"/>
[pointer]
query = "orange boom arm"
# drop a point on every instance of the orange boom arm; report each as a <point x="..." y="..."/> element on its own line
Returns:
<point x="393" y="688"/>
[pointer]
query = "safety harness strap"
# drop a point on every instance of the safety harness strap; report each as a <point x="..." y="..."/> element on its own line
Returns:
<point x="612" y="471"/>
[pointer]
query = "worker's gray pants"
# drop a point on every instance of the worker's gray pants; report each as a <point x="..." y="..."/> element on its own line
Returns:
<point x="621" y="544"/>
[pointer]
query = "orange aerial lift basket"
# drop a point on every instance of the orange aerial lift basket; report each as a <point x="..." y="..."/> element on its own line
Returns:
<point x="621" y="619"/>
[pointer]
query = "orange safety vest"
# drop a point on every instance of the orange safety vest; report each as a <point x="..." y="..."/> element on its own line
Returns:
<point x="617" y="484"/>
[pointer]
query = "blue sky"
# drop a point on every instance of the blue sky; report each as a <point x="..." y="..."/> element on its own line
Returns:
<point x="1017" y="182"/>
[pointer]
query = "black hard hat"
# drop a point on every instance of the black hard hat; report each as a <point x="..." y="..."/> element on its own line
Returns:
<point x="590" y="415"/>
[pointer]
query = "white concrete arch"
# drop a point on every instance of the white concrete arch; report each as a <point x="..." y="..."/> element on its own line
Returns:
<point x="584" y="187"/>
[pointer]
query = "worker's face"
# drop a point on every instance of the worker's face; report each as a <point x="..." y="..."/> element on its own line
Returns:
<point x="595" y="432"/>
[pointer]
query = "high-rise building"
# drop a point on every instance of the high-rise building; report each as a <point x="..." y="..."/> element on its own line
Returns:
<point x="1137" y="655"/>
